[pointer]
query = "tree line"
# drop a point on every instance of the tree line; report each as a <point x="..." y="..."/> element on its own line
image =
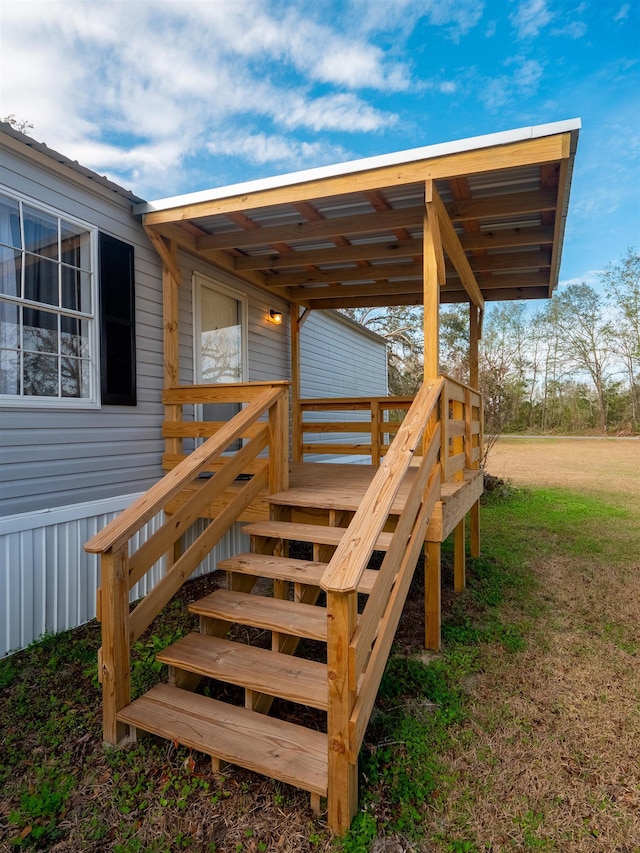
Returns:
<point x="569" y="366"/>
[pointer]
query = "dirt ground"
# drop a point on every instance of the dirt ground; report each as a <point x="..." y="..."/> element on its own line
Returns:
<point x="609" y="466"/>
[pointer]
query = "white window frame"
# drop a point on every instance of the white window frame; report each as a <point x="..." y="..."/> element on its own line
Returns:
<point x="92" y="401"/>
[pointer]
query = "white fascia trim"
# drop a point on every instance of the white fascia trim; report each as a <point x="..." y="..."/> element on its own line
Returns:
<point x="441" y="149"/>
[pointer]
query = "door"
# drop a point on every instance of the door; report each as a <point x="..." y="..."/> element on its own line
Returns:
<point x="220" y="323"/>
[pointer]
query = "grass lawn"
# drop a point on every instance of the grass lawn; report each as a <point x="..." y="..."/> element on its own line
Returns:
<point x="523" y="734"/>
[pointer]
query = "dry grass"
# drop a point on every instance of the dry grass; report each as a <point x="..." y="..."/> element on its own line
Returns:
<point x="554" y="761"/>
<point x="601" y="466"/>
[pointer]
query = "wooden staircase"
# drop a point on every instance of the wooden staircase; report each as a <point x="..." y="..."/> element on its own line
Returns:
<point x="333" y="603"/>
<point x="246" y="736"/>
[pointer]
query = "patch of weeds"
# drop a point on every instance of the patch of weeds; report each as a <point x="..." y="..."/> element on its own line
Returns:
<point x="40" y="809"/>
<point x="146" y="671"/>
<point x="360" y="837"/>
<point x="417" y="703"/>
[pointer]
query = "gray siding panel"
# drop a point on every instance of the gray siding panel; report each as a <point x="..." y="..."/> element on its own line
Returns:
<point x="78" y="455"/>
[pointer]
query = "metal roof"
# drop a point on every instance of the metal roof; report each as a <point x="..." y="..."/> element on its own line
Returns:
<point x="351" y="235"/>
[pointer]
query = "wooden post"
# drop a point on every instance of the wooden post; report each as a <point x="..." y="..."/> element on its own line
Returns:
<point x="170" y="287"/>
<point x="343" y="765"/>
<point x="432" y="592"/>
<point x="474" y="381"/>
<point x="376" y="428"/>
<point x="279" y="444"/>
<point x="434" y="272"/>
<point x="116" y="689"/>
<point x="459" y="563"/>
<point x="296" y="414"/>
<point x="433" y="267"/>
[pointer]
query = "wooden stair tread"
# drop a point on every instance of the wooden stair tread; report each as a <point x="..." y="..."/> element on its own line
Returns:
<point x="320" y="534"/>
<point x="272" y="614"/>
<point x="275" y="748"/>
<point x="295" y="679"/>
<point x="288" y="569"/>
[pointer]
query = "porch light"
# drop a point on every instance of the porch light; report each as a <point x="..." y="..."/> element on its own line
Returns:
<point x="275" y="316"/>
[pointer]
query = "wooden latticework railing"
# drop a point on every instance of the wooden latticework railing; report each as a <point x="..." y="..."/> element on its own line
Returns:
<point x="265" y="419"/>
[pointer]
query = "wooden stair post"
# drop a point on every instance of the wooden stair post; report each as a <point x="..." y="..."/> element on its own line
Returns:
<point x="115" y="673"/>
<point x="342" y="793"/>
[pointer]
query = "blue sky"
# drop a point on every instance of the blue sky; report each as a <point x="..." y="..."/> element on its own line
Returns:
<point x="172" y="96"/>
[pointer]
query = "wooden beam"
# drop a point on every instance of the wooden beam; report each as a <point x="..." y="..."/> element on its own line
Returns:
<point x="455" y="251"/>
<point x="337" y="291"/>
<point x="369" y="301"/>
<point x="507" y="238"/>
<point x="559" y="225"/>
<point x="374" y="272"/>
<point x="365" y="223"/>
<point x="513" y="155"/>
<point x="382" y="250"/>
<point x="511" y="261"/>
<point x="494" y="207"/>
<point x="452" y="297"/>
<point x="502" y="281"/>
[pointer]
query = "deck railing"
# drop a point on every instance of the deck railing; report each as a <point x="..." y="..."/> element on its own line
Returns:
<point x="264" y="422"/>
<point x="367" y="437"/>
<point x="441" y="435"/>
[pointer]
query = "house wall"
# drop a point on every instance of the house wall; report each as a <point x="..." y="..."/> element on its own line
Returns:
<point x="65" y="474"/>
<point x="52" y="457"/>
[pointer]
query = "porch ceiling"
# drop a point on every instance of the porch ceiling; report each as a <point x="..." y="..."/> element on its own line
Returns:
<point x="352" y="235"/>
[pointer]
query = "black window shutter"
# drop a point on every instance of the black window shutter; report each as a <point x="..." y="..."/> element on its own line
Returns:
<point x="117" y="323"/>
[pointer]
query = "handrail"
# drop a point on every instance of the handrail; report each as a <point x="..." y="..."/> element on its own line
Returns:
<point x="129" y="522"/>
<point x="121" y="570"/>
<point x="345" y="569"/>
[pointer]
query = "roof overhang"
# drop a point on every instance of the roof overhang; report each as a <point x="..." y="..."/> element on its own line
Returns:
<point x="352" y="235"/>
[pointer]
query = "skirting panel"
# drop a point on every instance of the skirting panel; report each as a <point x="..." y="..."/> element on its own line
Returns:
<point x="48" y="582"/>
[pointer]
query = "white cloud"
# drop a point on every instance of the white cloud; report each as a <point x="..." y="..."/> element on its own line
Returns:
<point x="530" y="17"/>
<point x="623" y="12"/>
<point x="260" y="148"/>
<point x="129" y="87"/>
<point x="504" y="89"/>
<point x="573" y="30"/>
<point x="455" y="17"/>
<point x="333" y="112"/>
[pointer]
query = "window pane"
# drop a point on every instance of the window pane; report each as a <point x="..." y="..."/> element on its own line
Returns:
<point x="9" y="222"/>
<point x="74" y="338"/>
<point x="40" y="332"/>
<point x="40" y="280"/>
<point x="40" y="233"/>
<point x="75" y="246"/>
<point x="9" y="271"/>
<point x="75" y="377"/>
<point x="76" y="290"/>
<point x="40" y="375"/>
<point x="9" y="354"/>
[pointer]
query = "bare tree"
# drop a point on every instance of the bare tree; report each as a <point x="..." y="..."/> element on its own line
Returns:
<point x="623" y="290"/>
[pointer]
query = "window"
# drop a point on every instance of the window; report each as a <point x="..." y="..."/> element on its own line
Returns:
<point x="48" y="310"/>
<point x="47" y="306"/>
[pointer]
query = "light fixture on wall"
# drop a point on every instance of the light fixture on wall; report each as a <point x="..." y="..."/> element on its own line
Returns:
<point x="275" y="316"/>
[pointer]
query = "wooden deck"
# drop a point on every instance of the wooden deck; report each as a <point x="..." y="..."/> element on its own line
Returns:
<point x="317" y="488"/>
<point x="326" y="486"/>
